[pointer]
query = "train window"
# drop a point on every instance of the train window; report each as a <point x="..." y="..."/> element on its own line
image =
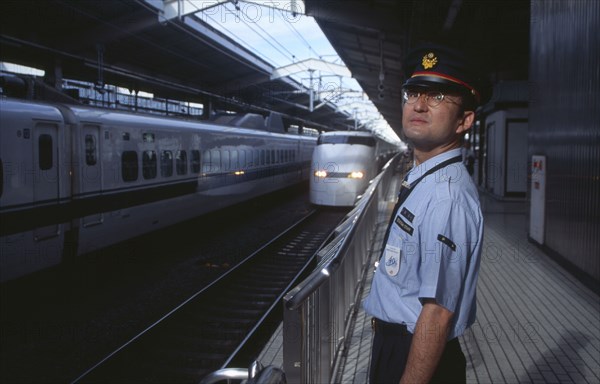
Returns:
<point x="338" y="139"/>
<point x="225" y="161"/>
<point x="242" y="160"/>
<point x="166" y="164"/>
<point x="262" y="157"/>
<point x="195" y="161"/>
<point x="90" y="150"/>
<point x="149" y="164"/>
<point x="1" y="177"/>
<point x="45" y="152"/>
<point x="129" y="166"/>
<point x="215" y="165"/>
<point x="235" y="161"/>
<point x="148" y="137"/>
<point x="256" y="157"/>
<point x="206" y="163"/>
<point x="181" y="162"/>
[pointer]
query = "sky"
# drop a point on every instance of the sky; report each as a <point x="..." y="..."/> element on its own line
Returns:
<point x="282" y="38"/>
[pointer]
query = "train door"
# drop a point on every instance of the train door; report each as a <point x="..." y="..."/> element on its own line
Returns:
<point x="91" y="169"/>
<point x="45" y="175"/>
<point x="298" y="159"/>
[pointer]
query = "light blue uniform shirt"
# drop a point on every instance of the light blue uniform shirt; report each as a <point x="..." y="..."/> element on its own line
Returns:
<point x="433" y="249"/>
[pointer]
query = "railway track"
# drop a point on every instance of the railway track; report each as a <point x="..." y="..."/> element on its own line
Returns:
<point x="225" y="322"/>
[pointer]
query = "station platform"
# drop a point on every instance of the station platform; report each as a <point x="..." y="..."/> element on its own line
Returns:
<point x="536" y="323"/>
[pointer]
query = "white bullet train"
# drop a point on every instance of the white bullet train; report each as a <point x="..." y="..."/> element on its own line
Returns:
<point x="343" y="163"/>
<point x="75" y="179"/>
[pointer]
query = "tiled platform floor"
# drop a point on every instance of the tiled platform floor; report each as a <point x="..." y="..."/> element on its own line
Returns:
<point x="536" y="323"/>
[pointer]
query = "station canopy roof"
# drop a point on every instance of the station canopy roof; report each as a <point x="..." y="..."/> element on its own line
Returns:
<point x="373" y="36"/>
<point x="131" y="44"/>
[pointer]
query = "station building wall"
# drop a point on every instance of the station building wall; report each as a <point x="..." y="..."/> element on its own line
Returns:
<point x="564" y="125"/>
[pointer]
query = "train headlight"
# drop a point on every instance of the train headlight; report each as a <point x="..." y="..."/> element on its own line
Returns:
<point x="239" y="173"/>
<point x="356" y="175"/>
<point x="321" y="173"/>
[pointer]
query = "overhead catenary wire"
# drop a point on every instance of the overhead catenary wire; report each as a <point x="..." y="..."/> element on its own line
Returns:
<point x="274" y="42"/>
<point x="293" y="29"/>
<point x="271" y="40"/>
<point x="253" y="25"/>
<point x="237" y="37"/>
<point x="168" y="51"/>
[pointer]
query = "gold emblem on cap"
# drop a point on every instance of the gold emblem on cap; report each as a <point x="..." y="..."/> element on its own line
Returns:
<point x="429" y="60"/>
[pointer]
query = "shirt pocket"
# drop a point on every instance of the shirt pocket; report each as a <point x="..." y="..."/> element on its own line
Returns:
<point x="392" y="253"/>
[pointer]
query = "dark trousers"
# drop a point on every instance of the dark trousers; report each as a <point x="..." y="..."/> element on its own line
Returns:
<point x="391" y="345"/>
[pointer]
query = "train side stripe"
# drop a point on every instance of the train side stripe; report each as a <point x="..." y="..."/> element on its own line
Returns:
<point x="34" y="216"/>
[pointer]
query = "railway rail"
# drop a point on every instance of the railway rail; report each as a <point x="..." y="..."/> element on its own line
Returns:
<point x="225" y="322"/>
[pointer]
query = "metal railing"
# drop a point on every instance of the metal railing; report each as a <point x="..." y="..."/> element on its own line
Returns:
<point x="317" y="311"/>
<point x="255" y="374"/>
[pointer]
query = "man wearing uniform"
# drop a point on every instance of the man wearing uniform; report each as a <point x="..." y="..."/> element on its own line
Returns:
<point x="423" y="292"/>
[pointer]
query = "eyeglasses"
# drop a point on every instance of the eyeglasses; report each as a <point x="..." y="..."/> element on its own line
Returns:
<point x="432" y="98"/>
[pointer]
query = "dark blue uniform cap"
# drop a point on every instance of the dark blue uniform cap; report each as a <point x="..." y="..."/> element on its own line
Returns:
<point x="441" y="67"/>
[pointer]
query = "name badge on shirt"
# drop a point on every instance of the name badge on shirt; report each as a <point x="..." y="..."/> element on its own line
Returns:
<point x="408" y="214"/>
<point x="404" y="226"/>
<point x="392" y="260"/>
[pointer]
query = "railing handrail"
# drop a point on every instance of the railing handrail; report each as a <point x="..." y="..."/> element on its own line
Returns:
<point x="310" y="284"/>
<point x="225" y="374"/>
<point x="318" y="310"/>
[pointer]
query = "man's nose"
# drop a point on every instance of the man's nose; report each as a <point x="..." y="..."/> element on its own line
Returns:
<point x="421" y="103"/>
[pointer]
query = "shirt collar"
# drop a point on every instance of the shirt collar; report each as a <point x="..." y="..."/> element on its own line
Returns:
<point x="419" y="170"/>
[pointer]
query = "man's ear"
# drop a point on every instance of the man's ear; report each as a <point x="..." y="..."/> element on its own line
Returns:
<point x="465" y="122"/>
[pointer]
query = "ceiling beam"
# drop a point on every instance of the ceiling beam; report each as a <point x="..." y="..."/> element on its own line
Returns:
<point x="310" y="65"/>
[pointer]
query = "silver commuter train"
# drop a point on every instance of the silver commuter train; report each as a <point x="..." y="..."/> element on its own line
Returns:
<point x="76" y="179"/>
<point x="343" y="163"/>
